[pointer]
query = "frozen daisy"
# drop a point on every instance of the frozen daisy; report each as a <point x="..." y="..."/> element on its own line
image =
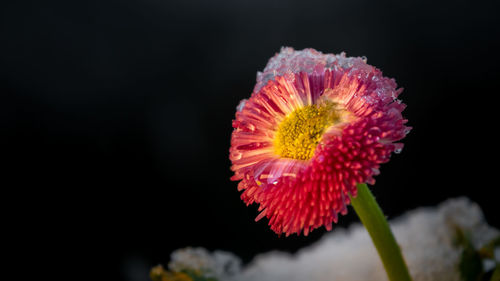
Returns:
<point x="315" y="126"/>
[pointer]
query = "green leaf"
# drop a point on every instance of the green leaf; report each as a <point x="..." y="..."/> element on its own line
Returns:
<point x="471" y="264"/>
<point x="496" y="274"/>
<point x="197" y="276"/>
<point x="488" y="250"/>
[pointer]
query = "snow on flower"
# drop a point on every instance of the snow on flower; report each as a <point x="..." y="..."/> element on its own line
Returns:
<point x="315" y="126"/>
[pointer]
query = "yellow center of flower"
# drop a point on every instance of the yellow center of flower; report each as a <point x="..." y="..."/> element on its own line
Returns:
<point x="300" y="132"/>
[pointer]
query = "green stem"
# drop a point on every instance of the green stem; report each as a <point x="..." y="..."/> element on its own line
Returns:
<point x="375" y="222"/>
<point x="496" y="274"/>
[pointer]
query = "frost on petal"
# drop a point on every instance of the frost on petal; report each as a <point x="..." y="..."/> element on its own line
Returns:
<point x="309" y="61"/>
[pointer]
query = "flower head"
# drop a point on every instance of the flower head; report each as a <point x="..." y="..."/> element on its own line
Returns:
<point x="315" y="126"/>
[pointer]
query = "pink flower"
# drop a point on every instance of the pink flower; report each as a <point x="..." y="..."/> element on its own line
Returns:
<point x="315" y="126"/>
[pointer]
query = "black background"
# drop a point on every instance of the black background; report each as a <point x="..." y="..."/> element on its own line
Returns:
<point x="116" y="118"/>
